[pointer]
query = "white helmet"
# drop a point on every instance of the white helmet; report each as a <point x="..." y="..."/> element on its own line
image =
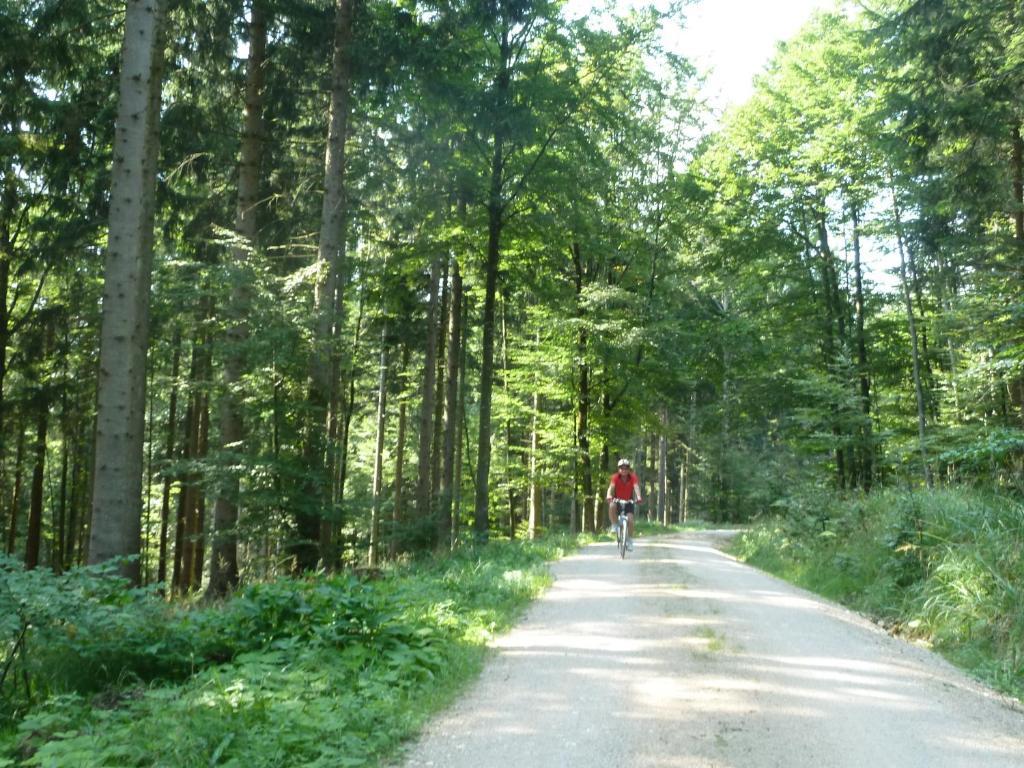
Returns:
<point x="623" y="463"/>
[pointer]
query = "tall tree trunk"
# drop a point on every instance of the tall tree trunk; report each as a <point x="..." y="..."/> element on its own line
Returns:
<point x="583" y="395"/>
<point x="834" y="295"/>
<point x="1018" y="236"/>
<point x="179" y="519"/>
<point x="461" y="430"/>
<point x="663" y="506"/>
<point x="117" y="488"/>
<point x="72" y="549"/>
<point x="35" y="514"/>
<point x="199" y="515"/>
<point x="331" y="551"/>
<point x="378" y="450"/>
<point x="428" y="394"/>
<point x="188" y="503"/>
<point x="726" y="401"/>
<point x="451" y="409"/>
<point x="15" y="508"/>
<point x="172" y="425"/>
<point x="185" y="549"/>
<point x="574" y="499"/>
<point x="1018" y="190"/>
<point x="684" y="487"/>
<point x="9" y="217"/>
<point x="867" y="450"/>
<point x="651" y="471"/>
<point x="495" y="224"/>
<point x="34" y="534"/>
<point x="535" y="497"/>
<point x="329" y="522"/>
<point x="508" y="421"/>
<point x="339" y="417"/>
<point x="224" y="544"/>
<point x="9" y="203"/>
<point x="691" y="429"/>
<point x="914" y="350"/>
<point x="600" y="511"/>
<point x="330" y="264"/>
<point x="275" y="449"/>
<point x="88" y="481"/>
<point x="188" y="547"/>
<point x="150" y="442"/>
<point x="61" y="513"/>
<point x="481" y="522"/>
<point x="949" y="288"/>
<point x="916" y="281"/>
<point x="440" y="391"/>
<point x="835" y="338"/>
<point x="398" y="511"/>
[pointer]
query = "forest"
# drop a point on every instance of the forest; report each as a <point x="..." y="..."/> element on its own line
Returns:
<point x="298" y="285"/>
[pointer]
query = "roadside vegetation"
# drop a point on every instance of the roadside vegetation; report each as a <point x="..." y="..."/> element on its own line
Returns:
<point x="647" y="528"/>
<point x="318" y="671"/>
<point x="396" y="269"/>
<point x="942" y="567"/>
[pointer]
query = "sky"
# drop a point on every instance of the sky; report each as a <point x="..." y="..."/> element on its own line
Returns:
<point x="729" y="40"/>
<point x="734" y="39"/>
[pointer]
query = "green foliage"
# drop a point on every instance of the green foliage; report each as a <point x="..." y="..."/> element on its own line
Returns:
<point x="991" y="455"/>
<point x="650" y="528"/>
<point x="316" y="671"/>
<point x="80" y="630"/>
<point x="943" y="567"/>
<point x="707" y="298"/>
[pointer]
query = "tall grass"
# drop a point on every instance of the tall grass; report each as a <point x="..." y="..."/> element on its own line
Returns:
<point x="944" y="567"/>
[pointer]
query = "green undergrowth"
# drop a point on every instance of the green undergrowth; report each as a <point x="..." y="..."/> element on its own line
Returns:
<point x="318" y="671"/>
<point x="646" y="528"/>
<point x="652" y="528"/>
<point x="943" y="567"/>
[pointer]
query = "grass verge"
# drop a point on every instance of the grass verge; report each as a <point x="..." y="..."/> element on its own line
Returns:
<point x="944" y="568"/>
<point x="322" y="671"/>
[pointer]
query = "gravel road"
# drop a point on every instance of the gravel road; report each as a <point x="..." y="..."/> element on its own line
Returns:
<point x="680" y="657"/>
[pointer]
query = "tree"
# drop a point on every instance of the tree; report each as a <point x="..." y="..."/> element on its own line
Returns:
<point x="224" y="555"/>
<point x="116" y="514"/>
<point x="329" y="284"/>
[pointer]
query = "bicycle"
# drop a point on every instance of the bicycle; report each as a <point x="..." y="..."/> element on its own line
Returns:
<point x="622" y="537"/>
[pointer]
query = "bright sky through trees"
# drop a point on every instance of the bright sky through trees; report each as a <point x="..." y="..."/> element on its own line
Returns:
<point x="732" y="40"/>
<point x="729" y="40"/>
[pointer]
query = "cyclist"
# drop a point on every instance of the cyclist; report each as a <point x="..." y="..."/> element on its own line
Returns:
<point x="624" y="484"/>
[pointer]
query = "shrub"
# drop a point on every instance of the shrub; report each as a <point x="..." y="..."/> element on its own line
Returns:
<point x="78" y="631"/>
<point x="943" y="566"/>
<point x="311" y="671"/>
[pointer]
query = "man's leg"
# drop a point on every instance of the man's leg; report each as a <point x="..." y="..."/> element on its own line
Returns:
<point x="612" y="517"/>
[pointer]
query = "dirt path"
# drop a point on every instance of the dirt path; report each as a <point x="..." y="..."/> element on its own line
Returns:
<point x="681" y="657"/>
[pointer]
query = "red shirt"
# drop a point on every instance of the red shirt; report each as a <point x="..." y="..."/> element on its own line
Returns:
<point x="624" y="485"/>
